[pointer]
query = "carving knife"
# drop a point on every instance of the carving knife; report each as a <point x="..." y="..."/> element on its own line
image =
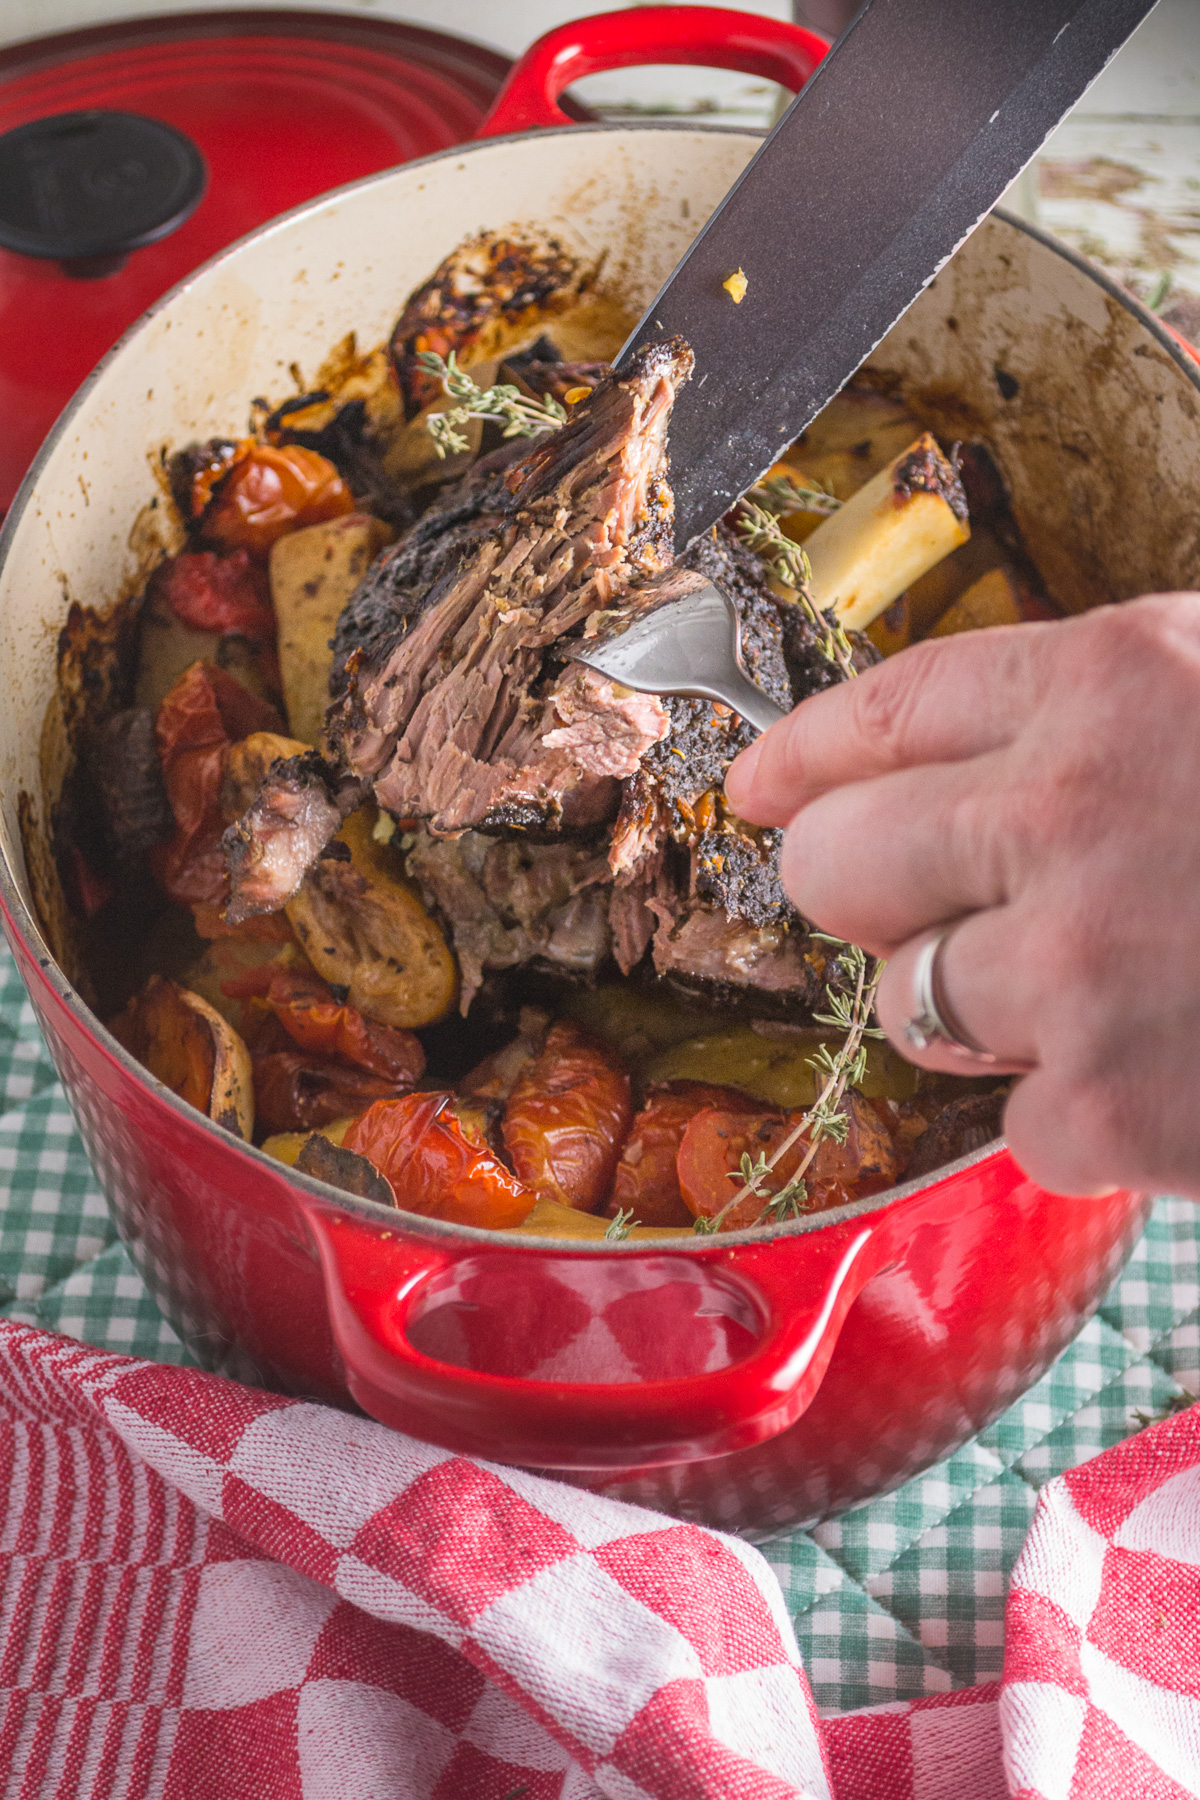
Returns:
<point x="896" y="148"/>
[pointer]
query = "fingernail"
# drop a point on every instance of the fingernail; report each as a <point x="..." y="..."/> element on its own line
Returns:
<point x="739" y="778"/>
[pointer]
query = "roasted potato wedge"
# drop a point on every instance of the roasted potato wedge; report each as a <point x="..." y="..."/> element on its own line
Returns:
<point x="364" y="927"/>
<point x="775" y="1068"/>
<point x="313" y="574"/>
<point x="191" y="1049"/>
<point x="550" y="1219"/>
<point x="995" y="599"/>
<point x="636" y="1021"/>
<point x="285" y="1146"/>
<point x="490" y="297"/>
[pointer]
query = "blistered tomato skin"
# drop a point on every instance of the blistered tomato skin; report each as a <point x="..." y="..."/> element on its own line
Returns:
<point x="295" y="1092"/>
<point x="710" y="1158"/>
<point x="211" y="592"/>
<point x="647" y="1178"/>
<point x="434" y="1167"/>
<point x="271" y="491"/>
<point x="567" y="1119"/>
<point x="306" y="1008"/>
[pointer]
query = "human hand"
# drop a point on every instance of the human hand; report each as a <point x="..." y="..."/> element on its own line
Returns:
<point x="1041" y="785"/>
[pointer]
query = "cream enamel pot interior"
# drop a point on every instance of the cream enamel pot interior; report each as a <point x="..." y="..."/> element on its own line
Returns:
<point x="756" y="1379"/>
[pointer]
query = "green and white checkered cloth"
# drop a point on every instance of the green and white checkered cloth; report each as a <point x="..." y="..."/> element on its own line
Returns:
<point x="899" y="1598"/>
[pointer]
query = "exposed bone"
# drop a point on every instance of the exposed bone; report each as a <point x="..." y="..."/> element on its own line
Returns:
<point x="906" y="519"/>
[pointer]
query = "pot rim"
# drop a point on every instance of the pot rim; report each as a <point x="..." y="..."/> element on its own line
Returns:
<point x="27" y="929"/>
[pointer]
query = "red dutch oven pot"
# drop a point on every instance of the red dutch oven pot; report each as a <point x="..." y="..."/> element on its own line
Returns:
<point x="276" y="108"/>
<point x="757" y="1379"/>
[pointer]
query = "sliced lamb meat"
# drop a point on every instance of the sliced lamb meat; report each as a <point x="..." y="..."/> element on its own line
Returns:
<point x="451" y="727"/>
<point x="632" y="920"/>
<point x="397" y="588"/>
<point x="269" y="851"/>
<point x="457" y="700"/>
<point x="606" y="731"/>
<point x="509" y="902"/>
<point x="704" y="950"/>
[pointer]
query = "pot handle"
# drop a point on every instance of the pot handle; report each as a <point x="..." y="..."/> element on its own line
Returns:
<point x="713" y="36"/>
<point x="801" y="1288"/>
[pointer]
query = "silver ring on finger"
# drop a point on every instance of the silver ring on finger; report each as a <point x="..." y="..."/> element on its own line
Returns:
<point x="934" y="1023"/>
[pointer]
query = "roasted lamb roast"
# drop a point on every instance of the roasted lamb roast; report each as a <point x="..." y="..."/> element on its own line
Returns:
<point x="550" y="815"/>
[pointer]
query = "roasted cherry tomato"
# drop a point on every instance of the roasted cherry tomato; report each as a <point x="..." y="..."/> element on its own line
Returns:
<point x="269" y="928"/>
<point x="211" y="592"/>
<point x="567" y="1118"/>
<point x="435" y="1167"/>
<point x="714" y="1143"/>
<point x="203" y="714"/>
<point x="269" y="491"/>
<point x="306" y="1008"/>
<point x="647" y="1178"/>
<point x="294" y="1092"/>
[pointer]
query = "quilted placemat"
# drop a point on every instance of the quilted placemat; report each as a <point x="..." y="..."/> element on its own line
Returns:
<point x="899" y="1598"/>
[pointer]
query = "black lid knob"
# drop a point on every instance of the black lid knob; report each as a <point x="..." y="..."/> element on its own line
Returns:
<point x="86" y="188"/>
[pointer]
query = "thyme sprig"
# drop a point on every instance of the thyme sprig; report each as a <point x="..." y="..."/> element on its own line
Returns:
<point x="621" y="1226"/>
<point x="788" y="563"/>
<point x="780" y="494"/>
<point x="519" y="415"/>
<point x="842" y="1068"/>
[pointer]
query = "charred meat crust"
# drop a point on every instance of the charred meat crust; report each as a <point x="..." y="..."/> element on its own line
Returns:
<point x="487" y="285"/>
<point x="965" y="1125"/>
<point x="463" y="720"/>
<point x="558" y="379"/>
<point x="681" y="778"/>
<point x="924" y="470"/>
<point x="268" y="852"/>
<point x="741" y="876"/>
<point x="400" y="584"/>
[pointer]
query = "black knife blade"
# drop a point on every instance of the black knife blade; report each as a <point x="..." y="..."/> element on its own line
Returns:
<point x="902" y="141"/>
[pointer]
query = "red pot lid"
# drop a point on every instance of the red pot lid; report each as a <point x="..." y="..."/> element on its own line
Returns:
<point x="280" y="106"/>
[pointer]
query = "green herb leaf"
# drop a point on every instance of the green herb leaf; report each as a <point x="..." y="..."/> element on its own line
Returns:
<point x="780" y="494"/>
<point x="788" y="563"/>
<point x="519" y="416"/>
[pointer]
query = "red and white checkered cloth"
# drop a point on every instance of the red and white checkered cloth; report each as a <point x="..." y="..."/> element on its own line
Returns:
<point x="211" y="1593"/>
